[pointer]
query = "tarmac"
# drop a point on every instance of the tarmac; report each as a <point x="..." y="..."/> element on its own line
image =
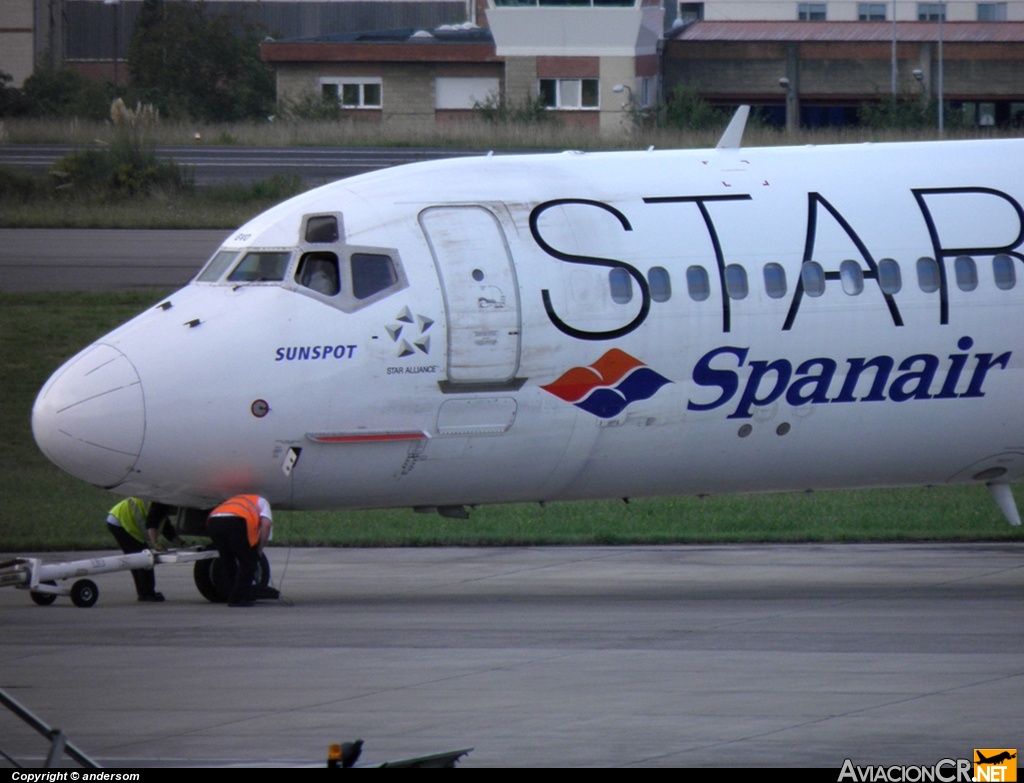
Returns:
<point x="686" y="656"/>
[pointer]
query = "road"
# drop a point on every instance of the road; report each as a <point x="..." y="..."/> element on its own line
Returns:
<point x="214" y="164"/>
<point x="47" y="259"/>
<point x="719" y="656"/>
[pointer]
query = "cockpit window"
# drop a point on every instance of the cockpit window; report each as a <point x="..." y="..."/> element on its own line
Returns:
<point x="217" y="266"/>
<point x="262" y="266"/>
<point x="319" y="271"/>
<point x="372" y="272"/>
<point x="322" y="229"/>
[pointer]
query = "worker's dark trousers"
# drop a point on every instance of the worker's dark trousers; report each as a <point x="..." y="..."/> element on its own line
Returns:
<point x="145" y="579"/>
<point x="239" y="559"/>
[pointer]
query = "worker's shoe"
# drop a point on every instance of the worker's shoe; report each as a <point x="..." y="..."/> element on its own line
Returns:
<point x="242" y="602"/>
<point x="152" y="598"/>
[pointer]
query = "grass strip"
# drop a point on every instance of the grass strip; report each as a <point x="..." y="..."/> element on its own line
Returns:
<point x="45" y="509"/>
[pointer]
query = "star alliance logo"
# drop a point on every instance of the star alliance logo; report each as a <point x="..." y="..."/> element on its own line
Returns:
<point x="410" y="333"/>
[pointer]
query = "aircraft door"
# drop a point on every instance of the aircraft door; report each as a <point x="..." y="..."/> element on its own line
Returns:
<point x="481" y="294"/>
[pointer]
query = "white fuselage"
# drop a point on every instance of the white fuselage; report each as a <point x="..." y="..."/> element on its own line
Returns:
<point x="573" y="326"/>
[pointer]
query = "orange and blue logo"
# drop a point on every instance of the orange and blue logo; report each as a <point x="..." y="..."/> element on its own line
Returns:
<point x="609" y="385"/>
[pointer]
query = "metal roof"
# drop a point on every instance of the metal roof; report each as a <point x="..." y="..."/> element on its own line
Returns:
<point x="463" y="33"/>
<point x="852" y="32"/>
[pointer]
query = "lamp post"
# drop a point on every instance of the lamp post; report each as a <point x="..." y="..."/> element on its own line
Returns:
<point x="792" y="107"/>
<point x="894" y="64"/>
<point x="625" y="88"/>
<point x="941" y="86"/>
<point x="116" y="5"/>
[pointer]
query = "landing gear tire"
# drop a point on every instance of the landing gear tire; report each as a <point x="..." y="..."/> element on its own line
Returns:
<point x="43" y="599"/>
<point x="212" y="582"/>
<point x="84" y="593"/>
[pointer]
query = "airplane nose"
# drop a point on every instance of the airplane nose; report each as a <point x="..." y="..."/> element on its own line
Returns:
<point x="90" y="417"/>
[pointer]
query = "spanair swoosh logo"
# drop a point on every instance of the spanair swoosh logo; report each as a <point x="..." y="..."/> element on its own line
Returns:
<point x="607" y="386"/>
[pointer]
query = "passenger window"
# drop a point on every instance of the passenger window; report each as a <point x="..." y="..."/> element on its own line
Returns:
<point x="322" y="229"/>
<point x="966" y="273"/>
<point x="1004" y="271"/>
<point x="621" y="284"/>
<point x="775" y="280"/>
<point x="697" y="283"/>
<point x="736" y="281"/>
<point x="371" y="273"/>
<point x="889" y="278"/>
<point x="218" y="266"/>
<point x="927" y="274"/>
<point x="660" y="282"/>
<point x="852" y="277"/>
<point x="319" y="272"/>
<point x="813" y="278"/>
<point x="257" y="267"/>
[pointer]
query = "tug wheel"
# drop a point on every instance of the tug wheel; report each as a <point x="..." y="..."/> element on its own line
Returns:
<point x="84" y="593"/>
<point x="212" y="581"/>
<point x="43" y="599"/>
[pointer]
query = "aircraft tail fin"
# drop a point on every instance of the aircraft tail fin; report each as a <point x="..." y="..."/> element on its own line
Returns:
<point x="732" y="139"/>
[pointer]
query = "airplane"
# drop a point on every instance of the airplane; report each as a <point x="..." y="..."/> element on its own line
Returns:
<point x="996" y="759"/>
<point x="567" y="326"/>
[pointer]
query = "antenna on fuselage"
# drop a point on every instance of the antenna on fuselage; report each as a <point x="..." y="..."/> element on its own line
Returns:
<point x="732" y="139"/>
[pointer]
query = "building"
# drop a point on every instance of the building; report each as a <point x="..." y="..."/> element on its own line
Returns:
<point x="845" y="11"/>
<point x="581" y="60"/>
<point x="17" y="35"/>
<point x="91" y="35"/>
<point x="827" y="69"/>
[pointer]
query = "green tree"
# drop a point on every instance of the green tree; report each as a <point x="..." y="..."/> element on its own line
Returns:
<point x="190" y="62"/>
<point x="11" y="100"/>
<point x="61" y="92"/>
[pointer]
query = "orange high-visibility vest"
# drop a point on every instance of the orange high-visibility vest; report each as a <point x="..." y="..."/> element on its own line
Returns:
<point x="246" y="507"/>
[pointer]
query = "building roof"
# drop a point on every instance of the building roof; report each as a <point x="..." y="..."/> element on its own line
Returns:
<point x="448" y="43"/>
<point x="449" y="33"/>
<point x="854" y="32"/>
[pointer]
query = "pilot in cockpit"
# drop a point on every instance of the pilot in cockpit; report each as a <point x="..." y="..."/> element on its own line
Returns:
<point x="320" y="274"/>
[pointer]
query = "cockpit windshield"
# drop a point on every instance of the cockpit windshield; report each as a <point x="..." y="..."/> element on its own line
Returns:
<point x="260" y="266"/>
<point x="217" y="266"/>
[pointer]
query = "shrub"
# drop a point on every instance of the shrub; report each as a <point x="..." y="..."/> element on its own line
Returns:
<point x="906" y="112"/>
<point x="125" y="169"/>
<point x="310" y="106"/>
<point x="60" y="92"/>
<point x="497" y="110"/>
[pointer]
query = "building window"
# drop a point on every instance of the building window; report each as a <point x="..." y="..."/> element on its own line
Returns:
<point x="353" y="92"/>
<point x="569" y="93"/>
<point x="465" y="92"/>
<point x="691" y="12"/>
<point x="931" y="12"/>
<point x="566" y="3"/>
<point x="810" y="12"/>
<point x="871" y="12"/>
<point x="991" y="12"/>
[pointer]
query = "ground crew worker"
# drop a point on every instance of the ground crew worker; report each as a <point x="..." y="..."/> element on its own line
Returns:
<point x="136" y="526"/>
<point x="240" y="528"/>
